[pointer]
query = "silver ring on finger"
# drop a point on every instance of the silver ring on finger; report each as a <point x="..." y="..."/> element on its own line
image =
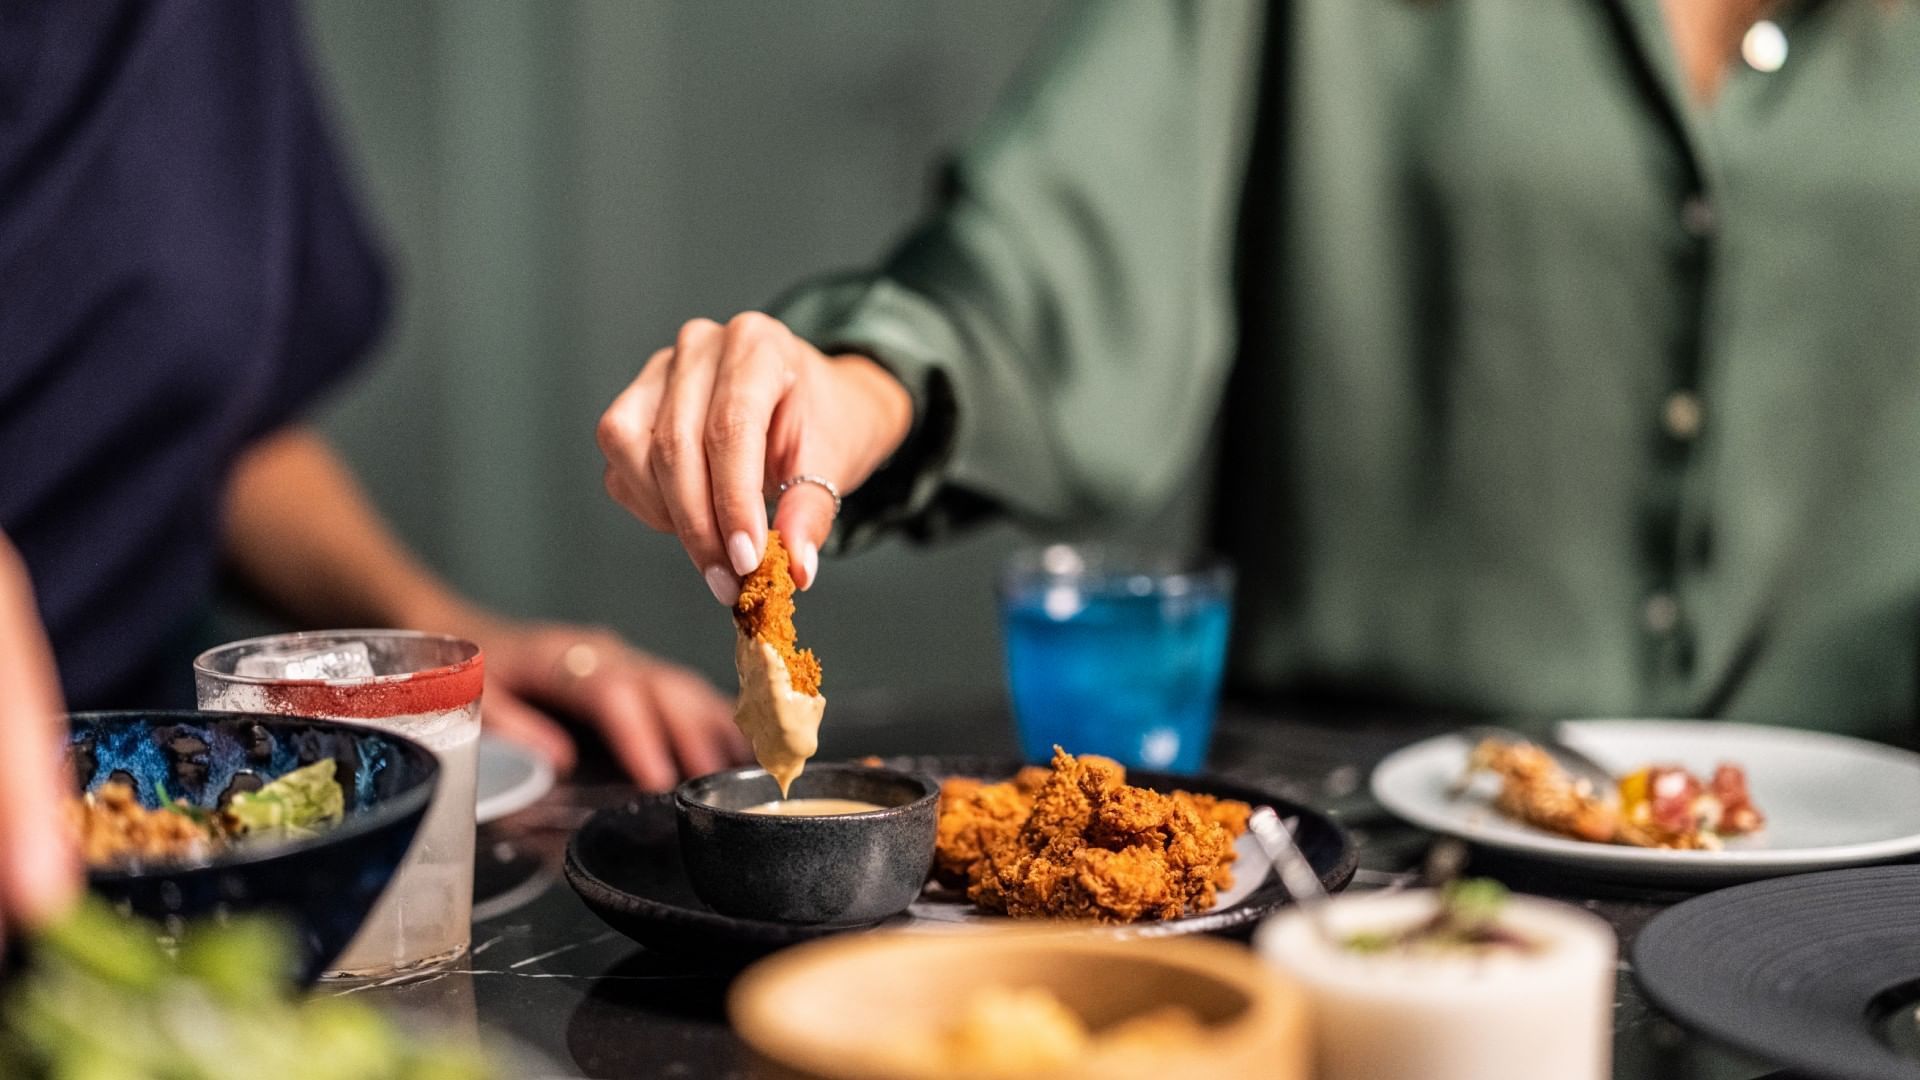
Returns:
<point x="580" y="660"/>
<point x="816" y="480"/>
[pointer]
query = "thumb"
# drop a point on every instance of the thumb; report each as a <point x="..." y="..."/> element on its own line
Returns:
<point x="804" y="518"/>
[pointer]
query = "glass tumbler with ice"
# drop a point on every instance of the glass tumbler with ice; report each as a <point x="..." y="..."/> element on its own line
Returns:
<point x="346" y="660"/>
<point x="423" y="686"/>
<point x="1116" y="653"/>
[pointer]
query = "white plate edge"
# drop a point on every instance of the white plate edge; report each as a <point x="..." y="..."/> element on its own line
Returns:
<point x="521" y="795"/>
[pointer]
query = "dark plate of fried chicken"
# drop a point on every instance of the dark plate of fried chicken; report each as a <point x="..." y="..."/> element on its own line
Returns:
<point x="1080" y="842"/>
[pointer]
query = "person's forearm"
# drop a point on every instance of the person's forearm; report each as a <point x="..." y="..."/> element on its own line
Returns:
<point x="39" y="873"/>
<point x="1072" y="297"/>
<point x="301" y="532"/>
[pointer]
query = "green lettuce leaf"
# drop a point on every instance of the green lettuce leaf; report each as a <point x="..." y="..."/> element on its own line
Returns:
<point x="293" y="806"/>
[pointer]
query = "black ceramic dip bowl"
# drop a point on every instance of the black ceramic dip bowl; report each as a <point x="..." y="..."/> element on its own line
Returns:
<point x="834" y="868"/>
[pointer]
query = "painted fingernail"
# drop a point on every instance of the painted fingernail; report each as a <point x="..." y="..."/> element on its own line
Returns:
<point x="809" y="557"/>
<point x="726" y="588"/>
<point x="740" y="550"/>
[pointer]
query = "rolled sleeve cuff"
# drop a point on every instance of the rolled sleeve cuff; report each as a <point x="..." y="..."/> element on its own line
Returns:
<point x="903" y="333"/>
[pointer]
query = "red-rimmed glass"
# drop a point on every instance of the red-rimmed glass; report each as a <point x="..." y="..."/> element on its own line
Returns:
<point x="423" y="686"/>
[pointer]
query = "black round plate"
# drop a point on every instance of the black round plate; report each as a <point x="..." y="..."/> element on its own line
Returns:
<point x="625" y="864"/>
<point x="1802" y="971"/>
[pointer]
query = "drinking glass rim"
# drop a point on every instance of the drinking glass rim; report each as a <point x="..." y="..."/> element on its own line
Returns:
<point x="202" y="664"/>
<point x="1104" y="562"/>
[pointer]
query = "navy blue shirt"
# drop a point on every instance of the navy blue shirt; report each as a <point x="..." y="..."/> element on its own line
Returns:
<point x="182" y="268"/>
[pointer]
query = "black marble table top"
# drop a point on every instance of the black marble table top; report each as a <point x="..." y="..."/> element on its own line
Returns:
<point x="549" y="974"/>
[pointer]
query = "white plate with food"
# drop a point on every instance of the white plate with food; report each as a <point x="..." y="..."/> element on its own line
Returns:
<point x="1817" y="801"/>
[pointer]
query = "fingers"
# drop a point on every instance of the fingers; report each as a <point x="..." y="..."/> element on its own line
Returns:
<point x="697" y="720"/>
<point x="752" y="376"/>
<point x="642" y="502"/>
<point x="39" y="871"/>
<point x="687" y="442"/>
<point x="652" y="714"/>
<point x="679" y="455"/>
<point x="620" y="709"/>
<point x="804" y="518"/>
<point x="514" y="720"/>
<point x="625" y="438"/>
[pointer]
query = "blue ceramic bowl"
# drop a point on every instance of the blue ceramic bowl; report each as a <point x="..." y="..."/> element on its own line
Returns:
<point x="323" y="886"/>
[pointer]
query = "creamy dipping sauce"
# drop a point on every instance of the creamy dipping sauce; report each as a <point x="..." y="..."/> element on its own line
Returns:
<point x="782" y="723"/>
<point x="811" y="807"/>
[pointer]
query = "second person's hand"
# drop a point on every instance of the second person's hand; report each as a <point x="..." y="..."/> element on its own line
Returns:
<point x="661" y="721"/>
<point x="716" y="422"/>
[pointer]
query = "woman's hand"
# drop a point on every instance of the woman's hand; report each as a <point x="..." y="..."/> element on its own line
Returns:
<point x="39" y="872"/>
<point x="714" y="424"/>
<point x="661" y="720"/>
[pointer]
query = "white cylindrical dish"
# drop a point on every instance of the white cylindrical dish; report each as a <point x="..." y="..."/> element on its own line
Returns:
<point x="1472" y="1015"/>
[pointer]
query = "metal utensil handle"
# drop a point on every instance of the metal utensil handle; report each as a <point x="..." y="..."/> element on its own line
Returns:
<point x="1296" y="873"/>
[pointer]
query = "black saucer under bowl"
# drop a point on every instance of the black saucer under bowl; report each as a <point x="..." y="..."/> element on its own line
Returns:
<point x="625" y="863"/>
<point x="322" y="886"/>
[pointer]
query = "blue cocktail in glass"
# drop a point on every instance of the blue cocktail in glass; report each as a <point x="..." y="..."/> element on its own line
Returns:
<point x="1116" y="655"/>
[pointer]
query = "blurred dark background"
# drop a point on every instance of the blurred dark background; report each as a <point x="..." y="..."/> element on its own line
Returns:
<point x="560" y="185"/>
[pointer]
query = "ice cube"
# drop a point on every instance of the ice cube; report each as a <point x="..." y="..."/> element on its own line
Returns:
<point x="347" y="660"/>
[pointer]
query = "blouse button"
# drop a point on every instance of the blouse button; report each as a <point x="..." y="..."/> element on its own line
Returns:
<point x="1765" y="46"/>
<point x="1697" y="216"/>
<point x="1682" y="415"/>
<point x="1661" y="613"/>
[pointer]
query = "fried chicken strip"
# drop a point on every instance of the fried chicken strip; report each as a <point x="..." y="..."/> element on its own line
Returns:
<point x="764" y="612"/>
<point x="780" y="704"/>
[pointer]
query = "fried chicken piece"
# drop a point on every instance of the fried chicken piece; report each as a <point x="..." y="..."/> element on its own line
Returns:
<point x="1125" y="816"/>
<point x="1031" y="778"/>
<point x="765" y="612"/>
<point x="1231" y="814"/>
<point x="1200" y="851"/>
<point x="1095" y="848"/>
<point x="1064" y="803"/>
<point x="953" y="790"/>
<point x="975" y="816"/>
<point x="1127" y="885"/>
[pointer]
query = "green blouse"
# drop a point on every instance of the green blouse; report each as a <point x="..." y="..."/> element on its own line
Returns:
<point x="1536" y="387"/>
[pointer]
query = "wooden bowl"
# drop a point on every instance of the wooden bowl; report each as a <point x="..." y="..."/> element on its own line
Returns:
<point x="838" y="1009"/>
